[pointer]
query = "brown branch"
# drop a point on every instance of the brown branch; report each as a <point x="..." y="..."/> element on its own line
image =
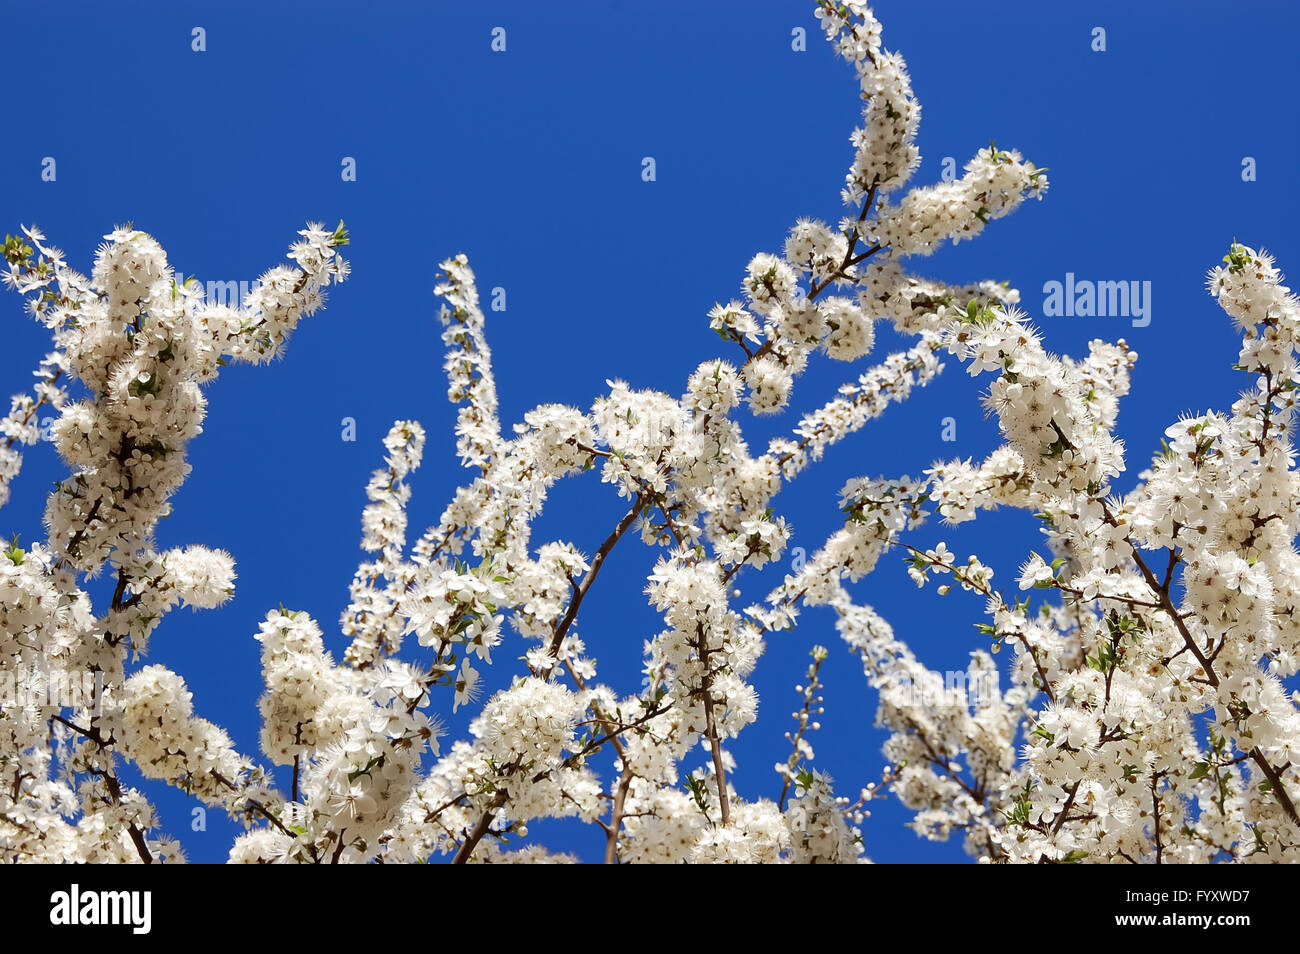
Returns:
<point x="479" y="830"/>
<point x="805" y="719"/>
<point x="1162" y="594"/>
<point x="1069" y="803"/>
<point x="710" y="725"/>
<point x="1155" y="807"/>
<point x="1275" y="781"/>
<point x="616" y="817"/>
<point x="611" y="735"/>
<point x="253" y="803"/>
<point x="580" y="591"/>
<point x="137" y="836"/>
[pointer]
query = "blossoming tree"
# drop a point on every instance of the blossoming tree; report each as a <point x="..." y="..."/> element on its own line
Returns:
<point x="1145" y="718"/>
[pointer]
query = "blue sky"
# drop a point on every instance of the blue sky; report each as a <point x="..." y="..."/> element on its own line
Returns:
<point x="529" y="161"/>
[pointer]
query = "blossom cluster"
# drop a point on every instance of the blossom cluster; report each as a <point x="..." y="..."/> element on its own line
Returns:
<point x="1140" y="714"/>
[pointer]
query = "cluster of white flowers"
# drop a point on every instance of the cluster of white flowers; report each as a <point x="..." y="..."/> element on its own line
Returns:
<point x="154" y="720"/>
<point x="21" y="426"/>
<point x="139" y="341"/>
<point x="371" y="618"/>
<point x="1144" y="716"/>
